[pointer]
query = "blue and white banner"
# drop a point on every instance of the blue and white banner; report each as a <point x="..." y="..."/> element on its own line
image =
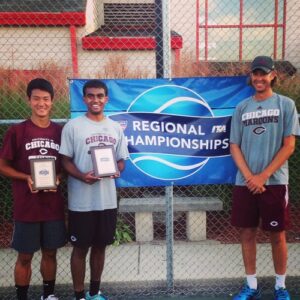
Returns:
<point x="177" y="130"/>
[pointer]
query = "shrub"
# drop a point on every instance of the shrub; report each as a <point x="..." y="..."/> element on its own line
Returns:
<point x="123" y="233"/>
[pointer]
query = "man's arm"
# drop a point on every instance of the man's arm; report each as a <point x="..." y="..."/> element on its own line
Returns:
<point x="242" y="165"/>
<point x="240" y="161"/>
<point x="71" y="168"/>
<point x="7" y="170"/>
<point x="255" y="182"/>
<point x="121" y="165"/>
<point x="279" y="159"/>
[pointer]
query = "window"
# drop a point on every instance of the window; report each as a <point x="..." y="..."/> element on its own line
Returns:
<point x="230" y="30"/>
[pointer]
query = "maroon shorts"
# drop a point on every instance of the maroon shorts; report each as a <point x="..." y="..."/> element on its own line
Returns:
<point x="270" y="208"/>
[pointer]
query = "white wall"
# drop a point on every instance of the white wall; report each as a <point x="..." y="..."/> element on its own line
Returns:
<point x="94" y="15"/>
<point x="132" y="63"/>
<point x="28" y="48"/>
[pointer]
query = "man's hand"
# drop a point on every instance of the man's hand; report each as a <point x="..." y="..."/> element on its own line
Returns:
<point x="57" y="182"/>
<point x="30" y="184"/>
<point x="255" y="183"/>
<point x="117" y="175"/>
<point x="90" y="178"/>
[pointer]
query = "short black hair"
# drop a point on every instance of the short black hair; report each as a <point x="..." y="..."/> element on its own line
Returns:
<point x="41" y="84"/>
<point x="95" y="83"/>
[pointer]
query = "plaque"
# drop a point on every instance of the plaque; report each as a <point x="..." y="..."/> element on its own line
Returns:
<point x="104" y="161"/>
<point x="43" y="173"/>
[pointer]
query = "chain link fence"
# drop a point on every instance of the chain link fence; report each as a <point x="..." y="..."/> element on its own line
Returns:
<point x="122" y="39"/>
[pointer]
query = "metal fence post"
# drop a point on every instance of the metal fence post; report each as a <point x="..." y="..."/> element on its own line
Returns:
<point x="166" y="32"/>
<point x="169" y="238"/>
<point x="163" y="39"/>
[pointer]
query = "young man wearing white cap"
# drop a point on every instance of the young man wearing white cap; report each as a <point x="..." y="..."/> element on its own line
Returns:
<point x="262" y="139"/>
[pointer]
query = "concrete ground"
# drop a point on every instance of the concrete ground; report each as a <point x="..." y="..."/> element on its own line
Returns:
<point x="142" y="267"/>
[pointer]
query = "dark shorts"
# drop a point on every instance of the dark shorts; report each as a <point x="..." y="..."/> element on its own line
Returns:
<point x="29" y="237"/>
<point x="92" y="228"/>
<point x="270" y="208"/>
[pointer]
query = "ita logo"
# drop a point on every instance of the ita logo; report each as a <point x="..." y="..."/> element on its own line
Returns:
<point x="171" y="132"/>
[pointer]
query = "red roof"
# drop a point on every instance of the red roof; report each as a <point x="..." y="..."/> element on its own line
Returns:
<point x="42" y="18"/>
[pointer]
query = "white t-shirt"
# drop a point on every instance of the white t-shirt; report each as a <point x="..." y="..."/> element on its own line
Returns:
<point x="78" y="136"/>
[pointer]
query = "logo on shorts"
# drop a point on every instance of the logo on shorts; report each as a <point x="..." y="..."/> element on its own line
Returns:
<point x="73" y="238"/>
<point x="274" y="223"/>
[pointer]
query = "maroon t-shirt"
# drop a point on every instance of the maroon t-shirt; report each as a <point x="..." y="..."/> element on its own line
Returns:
<point x="21" y="143"/>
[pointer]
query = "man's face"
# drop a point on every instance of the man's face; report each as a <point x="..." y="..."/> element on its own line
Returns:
<point x="40" y="103"/>
<point x="95" y="100"/>
<point x="261" y="80"/>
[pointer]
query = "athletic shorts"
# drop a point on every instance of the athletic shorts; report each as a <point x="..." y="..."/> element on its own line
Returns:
<point x="29" y="237"/>
<point x="270" y="208"/>
<point x="92" y="228"/>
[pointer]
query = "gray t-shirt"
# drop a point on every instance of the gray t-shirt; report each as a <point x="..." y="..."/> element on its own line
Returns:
<point x="78" y="136"/>
<point x="259" y="128"/>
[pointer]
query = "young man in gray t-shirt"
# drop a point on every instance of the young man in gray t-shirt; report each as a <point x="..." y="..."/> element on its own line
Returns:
<point x="92" y="200"/>
<point x="262" y="138"/>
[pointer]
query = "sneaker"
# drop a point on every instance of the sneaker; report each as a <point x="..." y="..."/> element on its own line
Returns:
<point x="99" y="296"/>
<point x="282" y="294"/>
<point x="50" y="297"/>
<point x="248" y="294"/>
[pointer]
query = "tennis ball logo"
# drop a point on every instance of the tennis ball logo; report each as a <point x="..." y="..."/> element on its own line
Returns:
<point x="169" y="102"/>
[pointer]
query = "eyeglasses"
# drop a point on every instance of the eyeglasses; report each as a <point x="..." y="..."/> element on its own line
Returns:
<point x="95" y="96"/>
